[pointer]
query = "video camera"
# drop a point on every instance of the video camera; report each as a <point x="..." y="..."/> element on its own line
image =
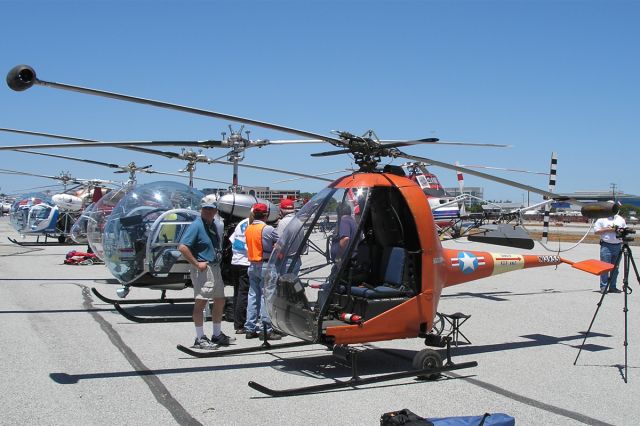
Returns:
<point x="625" y="234"/>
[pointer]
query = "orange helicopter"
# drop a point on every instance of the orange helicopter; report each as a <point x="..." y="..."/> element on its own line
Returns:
<point x="386" y="279"/>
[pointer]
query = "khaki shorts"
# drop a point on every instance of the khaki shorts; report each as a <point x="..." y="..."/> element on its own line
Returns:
<point x="207" y="284"/>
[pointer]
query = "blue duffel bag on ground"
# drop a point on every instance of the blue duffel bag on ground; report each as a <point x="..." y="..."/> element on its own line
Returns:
<point x="495" y="419"/>
<point x="406" y="417"/>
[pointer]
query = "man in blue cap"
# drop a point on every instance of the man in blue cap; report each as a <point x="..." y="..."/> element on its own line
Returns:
<point x="201" y="246"/>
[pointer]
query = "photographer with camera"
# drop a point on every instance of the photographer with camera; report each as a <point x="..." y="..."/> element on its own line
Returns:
<point x="611" y="231"/>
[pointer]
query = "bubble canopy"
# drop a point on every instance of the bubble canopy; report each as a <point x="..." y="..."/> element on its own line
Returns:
<point x="96" y="219"/>
<point x="79" y="228"/>
<point x="19" y="211"/>
<point x="137" y="217"/>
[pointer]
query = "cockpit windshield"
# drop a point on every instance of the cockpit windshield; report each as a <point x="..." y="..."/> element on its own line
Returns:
<point x="308" y="256"/>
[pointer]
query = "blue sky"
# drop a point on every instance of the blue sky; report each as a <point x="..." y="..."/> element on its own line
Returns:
<point x="542" y="76"/>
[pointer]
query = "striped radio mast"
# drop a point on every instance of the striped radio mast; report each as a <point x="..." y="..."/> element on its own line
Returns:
<point x="461" y="187"/>
<point x="552" y="187"/>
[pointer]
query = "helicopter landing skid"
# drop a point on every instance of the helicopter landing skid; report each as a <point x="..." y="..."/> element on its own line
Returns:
<point x="139" y="301"/>
<point x="38" y="243"/>
<point x="147" y="320"/>
<point x="240" y="351"/>
<point x="427" y="365"/>
<point x="357" y="381"/>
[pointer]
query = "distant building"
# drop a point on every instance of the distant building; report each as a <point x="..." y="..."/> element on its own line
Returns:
<point x="475" y="191"/>
<point x="264" y="192"/>
<point x="605" y="196"/>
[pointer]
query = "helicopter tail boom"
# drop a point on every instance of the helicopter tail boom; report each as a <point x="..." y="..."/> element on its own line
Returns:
<point x="463" y="266"/>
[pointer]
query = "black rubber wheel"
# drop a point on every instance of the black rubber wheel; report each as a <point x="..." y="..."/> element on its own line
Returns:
<point x="62" y="239"/>
<point x="427" y="358"/>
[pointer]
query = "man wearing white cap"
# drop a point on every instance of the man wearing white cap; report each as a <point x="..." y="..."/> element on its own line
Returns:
<point x="201" y="246"/>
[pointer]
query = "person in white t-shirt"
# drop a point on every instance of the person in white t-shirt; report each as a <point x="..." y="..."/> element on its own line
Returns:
<point x="239" y="276"/>
<point x="610" y="247"/>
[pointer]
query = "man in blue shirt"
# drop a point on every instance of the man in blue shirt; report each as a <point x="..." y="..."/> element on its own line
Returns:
<point x="345" y="232"/>
<point x="201" y="246"/>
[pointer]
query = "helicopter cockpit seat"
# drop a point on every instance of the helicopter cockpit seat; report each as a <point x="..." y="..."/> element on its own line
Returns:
<point x="164" y="250"/>
<point x="391" y="283"/>
<point x="168" y="257"/>
<point x="395" y="283"/>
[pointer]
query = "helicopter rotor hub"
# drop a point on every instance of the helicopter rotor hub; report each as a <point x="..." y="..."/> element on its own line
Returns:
<point x="367" y="152"/>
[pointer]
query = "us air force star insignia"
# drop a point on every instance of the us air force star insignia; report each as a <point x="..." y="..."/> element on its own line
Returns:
<point x="467" y="262"/>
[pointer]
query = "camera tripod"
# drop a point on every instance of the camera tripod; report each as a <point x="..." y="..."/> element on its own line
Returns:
<point x="627" y="257"/>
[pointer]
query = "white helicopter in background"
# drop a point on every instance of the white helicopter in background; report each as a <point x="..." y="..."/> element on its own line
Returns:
<point x="88" y="226"/>
<point x="38" y="214"/>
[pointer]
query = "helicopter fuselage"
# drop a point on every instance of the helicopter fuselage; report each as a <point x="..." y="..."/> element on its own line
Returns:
<point x="392" y="274"/>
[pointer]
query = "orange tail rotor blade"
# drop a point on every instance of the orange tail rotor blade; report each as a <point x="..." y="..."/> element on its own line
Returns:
<point x="592" y="266"/>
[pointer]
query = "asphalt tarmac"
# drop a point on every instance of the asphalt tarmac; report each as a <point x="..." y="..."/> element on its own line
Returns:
<point x="69" y="358"/>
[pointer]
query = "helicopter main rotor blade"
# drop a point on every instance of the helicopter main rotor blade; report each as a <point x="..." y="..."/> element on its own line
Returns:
<point x="328" y="153"/>
<point x="390" y="144"/>
<point x="319" y="174"/>
<point x="14" y="172"/>
<point x="22" y="77"/>
<point x="269" y="169"/>
<point x="209" y="160"/>
<point x="21" y="191"/>
<point x="46" y="135"/>
<point x="203" y="144"/>
<point x="479" y="174"/>
<point x="474" y="166"/>
<point x="167" y="154"/>
<point x="187" y="176"/>
<point x="66" y="157"/>
<point x="85" y="140"/>
<point x="63" y="178"/>
<point x="439" y="142"/>
<point x="293" y="141"/>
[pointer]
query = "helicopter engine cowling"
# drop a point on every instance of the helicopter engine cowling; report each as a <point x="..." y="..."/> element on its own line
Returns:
<point x="67" y="202"/>
<point x="239" y="206"/>
<point x="21" y="78"/>
<point x="598" y="210"/>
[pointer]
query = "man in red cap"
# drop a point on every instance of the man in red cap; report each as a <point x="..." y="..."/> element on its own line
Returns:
<point x="287" y="212"/>
<point x="260" y="239"/>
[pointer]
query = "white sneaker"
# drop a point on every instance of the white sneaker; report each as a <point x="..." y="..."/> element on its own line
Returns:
<point x="204" y="343"/>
